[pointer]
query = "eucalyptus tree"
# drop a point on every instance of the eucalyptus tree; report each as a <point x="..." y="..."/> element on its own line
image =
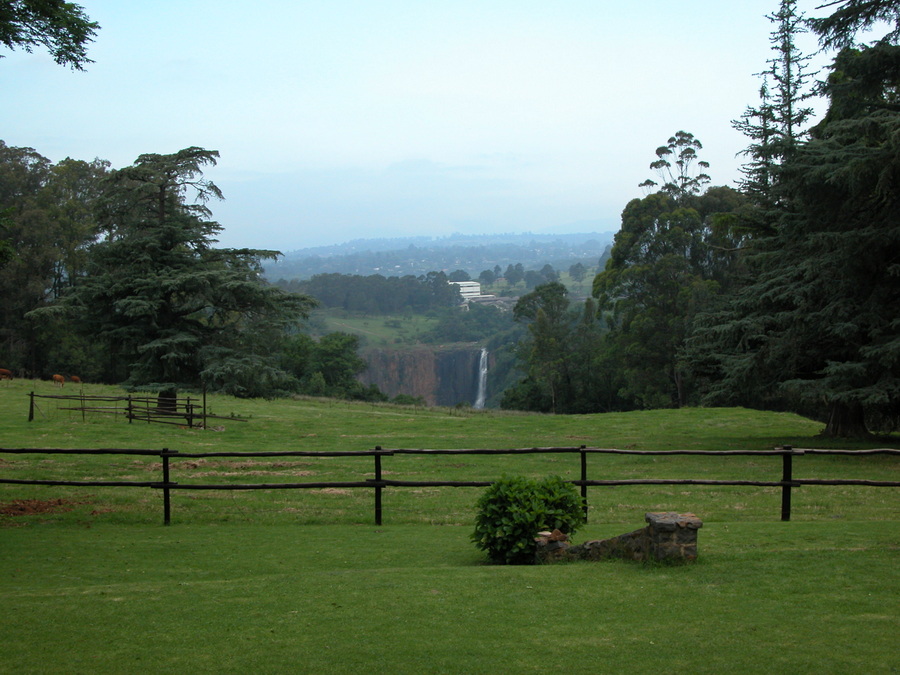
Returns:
<point x="577" y="271"/>
<point x="669" y="260"/>
<point x="545" y="311"/>
<point x="48" y="223"/>
<point x="647" y="292"/>
<point x="28" y="271"/>
<point x="328" y="366"/>
<point x="676" y="164"/>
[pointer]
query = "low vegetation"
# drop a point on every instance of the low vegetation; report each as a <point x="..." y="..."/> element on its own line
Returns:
<point x="514" y="509"/>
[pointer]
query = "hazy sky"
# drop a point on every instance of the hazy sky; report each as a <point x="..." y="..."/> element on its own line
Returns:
<point x="343" y="119"/>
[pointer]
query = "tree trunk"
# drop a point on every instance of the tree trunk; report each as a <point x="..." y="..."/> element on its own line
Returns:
<point x="678" y="376"/>
<point x="847" y="420"/>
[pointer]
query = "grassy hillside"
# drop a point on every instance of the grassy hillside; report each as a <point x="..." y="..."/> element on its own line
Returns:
<point x="301" y="581"/>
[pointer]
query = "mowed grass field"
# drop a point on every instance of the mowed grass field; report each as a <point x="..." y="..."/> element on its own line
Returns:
<point x="303" y="581"/>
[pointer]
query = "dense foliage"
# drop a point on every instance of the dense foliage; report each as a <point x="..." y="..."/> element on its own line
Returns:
<point x="328" y="366"/>
<point x="562" y="356"/>
<point x="670" y="261"/>
<point x="512" y="511"/>
<point x="478" y="323"/>
<point x="49" y="217"/>
<point x="817" y="328"/>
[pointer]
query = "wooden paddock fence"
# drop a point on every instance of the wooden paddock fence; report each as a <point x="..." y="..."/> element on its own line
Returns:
<point x="379" y="483"/>
<point x="186" y="411"/>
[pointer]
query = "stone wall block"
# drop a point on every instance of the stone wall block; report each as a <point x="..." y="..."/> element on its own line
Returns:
<point x="668" y="536"/>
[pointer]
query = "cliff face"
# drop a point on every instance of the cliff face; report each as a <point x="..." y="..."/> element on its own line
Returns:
<point x="444" y="377"/>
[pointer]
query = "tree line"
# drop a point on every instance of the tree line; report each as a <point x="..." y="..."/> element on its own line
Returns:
<point x="783" y="294"/>
<point x="378" y="294"/>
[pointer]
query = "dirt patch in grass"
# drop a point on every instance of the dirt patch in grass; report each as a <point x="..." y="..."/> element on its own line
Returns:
<point x="32" y="507"/>
<point x="235" y="468"/>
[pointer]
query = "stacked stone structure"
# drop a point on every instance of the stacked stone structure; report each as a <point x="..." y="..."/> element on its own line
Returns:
<point x="668" y="537"/>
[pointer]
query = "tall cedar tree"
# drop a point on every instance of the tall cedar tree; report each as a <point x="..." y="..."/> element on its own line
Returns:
<point x="171" y="309"/>
<point x="779" y="122"/>
<point x="818" y="329"/>
<point x="852" y="17"/>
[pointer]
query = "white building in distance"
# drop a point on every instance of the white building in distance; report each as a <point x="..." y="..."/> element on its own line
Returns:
<point x="468" y="289"/>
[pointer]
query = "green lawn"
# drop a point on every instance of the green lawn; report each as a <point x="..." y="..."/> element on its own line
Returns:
<point x="302" y="581"/>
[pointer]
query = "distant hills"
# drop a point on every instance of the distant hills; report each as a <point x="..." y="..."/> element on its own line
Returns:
<point x="420" y="255"/>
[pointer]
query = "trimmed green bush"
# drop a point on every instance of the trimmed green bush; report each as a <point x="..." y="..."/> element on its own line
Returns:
<point x="512" y="511"/>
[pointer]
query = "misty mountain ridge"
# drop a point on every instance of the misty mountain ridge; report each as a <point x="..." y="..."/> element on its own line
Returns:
<point x="400" y="256"/>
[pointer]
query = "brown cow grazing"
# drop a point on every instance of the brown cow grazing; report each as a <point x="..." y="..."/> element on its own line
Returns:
<point x="59" y="380"/>
<point x="75" y="379"/>
<point x="5" y="374"/>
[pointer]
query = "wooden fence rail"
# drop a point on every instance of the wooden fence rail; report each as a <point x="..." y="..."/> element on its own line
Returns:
<point x="786" y="483"/>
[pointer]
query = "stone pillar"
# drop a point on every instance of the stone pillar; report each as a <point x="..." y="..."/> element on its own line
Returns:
<point x="673" y="536"/>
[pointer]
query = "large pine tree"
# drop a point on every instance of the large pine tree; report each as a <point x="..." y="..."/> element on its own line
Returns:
<point x="818" y="329"/>
<point x="172" y="309"/>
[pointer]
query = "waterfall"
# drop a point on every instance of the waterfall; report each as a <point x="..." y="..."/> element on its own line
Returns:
<point x="482" y="379"/>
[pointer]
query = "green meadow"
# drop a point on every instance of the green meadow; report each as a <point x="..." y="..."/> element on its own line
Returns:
<point x="303" y="581"/>
<point x="396" y="331"/>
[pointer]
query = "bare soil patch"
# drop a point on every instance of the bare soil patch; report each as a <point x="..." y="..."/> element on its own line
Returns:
<point x="32" y="507"/>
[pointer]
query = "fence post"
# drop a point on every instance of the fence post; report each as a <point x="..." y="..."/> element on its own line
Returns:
<point x="583" y="486"/>
<point x="31" y="408"/>
<point x="786" y="478"/>
<point x="167" y="504"/>
<point x="378" y="486"/>
<point x="130" y="411"/>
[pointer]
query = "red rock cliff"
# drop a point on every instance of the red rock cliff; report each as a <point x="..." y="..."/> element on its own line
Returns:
<point x="441" y="377"/>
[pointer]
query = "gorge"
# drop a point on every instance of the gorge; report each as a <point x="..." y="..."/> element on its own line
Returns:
<point x="442" y="377"/>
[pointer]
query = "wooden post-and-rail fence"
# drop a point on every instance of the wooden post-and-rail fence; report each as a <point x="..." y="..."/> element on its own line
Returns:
<point x="379" y="483"/>
<point x="181" y="412"/>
